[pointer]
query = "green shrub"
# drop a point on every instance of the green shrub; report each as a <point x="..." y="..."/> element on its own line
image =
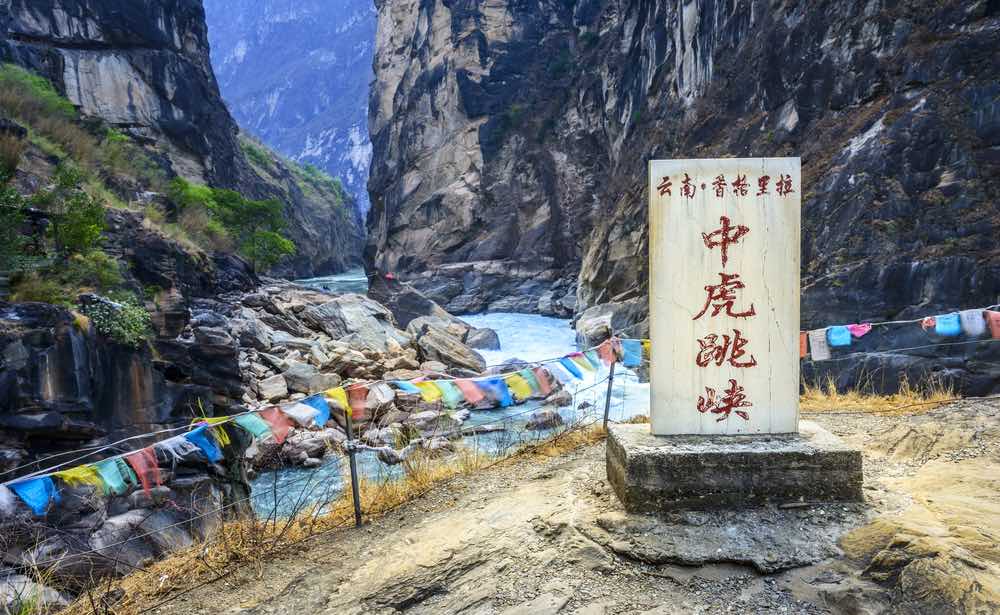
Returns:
<point x="186" y="195"/>
<point x="44" y="289"/>
<point x="126" y="322"/>
<point x="12" y="242"/>
<point x="120" y="156"/>
<point x="94" y="271"/>
<point x="257" y="155"/>
<point x="79" y="219"/>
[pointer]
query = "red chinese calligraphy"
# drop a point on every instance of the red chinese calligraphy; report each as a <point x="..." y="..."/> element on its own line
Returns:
<point x="721" y="296"/>
<point x="732" y="400"/>
<point x="664" y="187"/>
<point x="719" y="183"/>
<point x="722" y="237"/>
<point x="688" y="187"/>
<point x="729" y="349"/>
<point x="740" y="185"/>
<point x="783" y="185"/>
<point x="762" y="184"/>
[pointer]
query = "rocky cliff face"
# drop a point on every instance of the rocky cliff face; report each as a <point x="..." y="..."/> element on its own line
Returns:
<point x="145" y="70"/>
<point x="510" y="142"/>
<point x="296" y="75"/>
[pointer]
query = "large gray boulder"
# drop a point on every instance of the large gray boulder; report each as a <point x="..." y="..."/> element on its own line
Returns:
<point x="366" y="322"/>
<point x="437" y="343"/>
<point x="271" y="389"/>
<point x="621" y="318"/>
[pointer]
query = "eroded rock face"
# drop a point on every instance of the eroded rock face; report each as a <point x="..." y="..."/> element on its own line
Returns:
<point x="510" y="143"/>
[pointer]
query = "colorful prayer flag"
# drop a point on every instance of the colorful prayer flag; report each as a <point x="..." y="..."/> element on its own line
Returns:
<point x="631" y="353"/>
<point x="339" y="397"/>
<point x="570" y="366"/>
<point x="406" y="387"/>
<point x="205" y="443"/>
<point x="146" y="468"/>
<point x="322" y="406"/>
<point x="116" y="475"/>
<point x="255" y="425"/>
<point x="473" y="394"/>
<point x="497" y="390"/>
<point x="518" y="386"/>
<point x="450" y="393"/>
<point x="429" y="391"/>
<point x="358" y="396"/>
<point x="279" y="422"/>
<point x="37" y="493"/>
<point x="81" y="475"/>
<point x="544" y="379"/>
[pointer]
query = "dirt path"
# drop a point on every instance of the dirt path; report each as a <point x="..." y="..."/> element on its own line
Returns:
<point x="548" y="536"/>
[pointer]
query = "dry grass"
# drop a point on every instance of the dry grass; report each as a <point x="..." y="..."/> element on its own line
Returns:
<point x="825" y="397"/>
<point x="250" y="542"/>
<point x="11" y="148"/>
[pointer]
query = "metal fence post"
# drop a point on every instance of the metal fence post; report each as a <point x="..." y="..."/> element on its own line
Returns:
<point x="607" y="400"/>
<point x="355" y="491"/>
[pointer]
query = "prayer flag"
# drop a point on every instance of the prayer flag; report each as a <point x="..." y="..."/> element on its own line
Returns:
<point x="428" y="391"/>
<point x="146" y="467"/>
<point x="632" y="353"/>
<point x="473" y="394"/>
<point x="37" y="493"/>
<point x="529" y="377"/>
<point x="497" y="390"/>
<point x="358" y="395"/>
<point x="973" y="322"/>
<point x="218" y="433"/>
<point x="606" y="352"/>
<point x="948" y="325"/>
<point x="544" y="380"/>
<point x="518" y="386"/>
<point x="339" y="397"/>
<point x="322" y="406"/>
<point x="205" y="443"/>
<point x="803" y="344"/>
<point x="993" y="319"/>
<point x="279" y="422"/>
<point x="859" y="330"/>
<point x="81" y="475"/>
<point x="570" y="366"/>
<point x="838" y="336"/>
<point x="450" y="393"/>
<point x="116" y="475"/>
<point x="593" y="358"/>
<point x="257" y="427"/>
<point x="303" y="415"/>
<point x="818" y="348"/>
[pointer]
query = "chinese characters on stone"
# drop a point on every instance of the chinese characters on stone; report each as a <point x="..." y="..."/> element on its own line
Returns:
<point x="724" y="298"/>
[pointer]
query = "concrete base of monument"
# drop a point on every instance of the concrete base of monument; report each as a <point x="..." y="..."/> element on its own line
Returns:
<point x="663" y="473"/>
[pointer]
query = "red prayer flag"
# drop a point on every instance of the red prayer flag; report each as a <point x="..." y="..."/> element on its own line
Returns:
<point x="607" y="352"/>
<point x="544" y="379"/>
<point x="357" y="396"/>
<point x="473" y="394"/>
<point x="279" y="421"/>
<point x="993" y="320"/>
<point x="146" y="468"/>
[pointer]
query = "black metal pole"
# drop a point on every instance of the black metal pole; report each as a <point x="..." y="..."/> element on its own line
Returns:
<point x="355" y="491"/>
<point x="607" y="400"/>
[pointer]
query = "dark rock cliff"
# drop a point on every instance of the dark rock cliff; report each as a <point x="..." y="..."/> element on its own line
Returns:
<point x="510" y="143"/>
<point x="144" y="68"/>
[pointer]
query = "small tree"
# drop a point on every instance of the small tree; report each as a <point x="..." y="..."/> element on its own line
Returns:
<point x="255" y="226"/>
<point x="78" y="219"/>
<point x="11" y="219"/>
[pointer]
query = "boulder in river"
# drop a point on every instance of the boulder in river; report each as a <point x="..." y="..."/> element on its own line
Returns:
<point x="436" y="343"/>
<point x="546" y="418"/>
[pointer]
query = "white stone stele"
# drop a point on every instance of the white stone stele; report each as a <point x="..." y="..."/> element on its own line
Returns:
<point x="680" y="266"/>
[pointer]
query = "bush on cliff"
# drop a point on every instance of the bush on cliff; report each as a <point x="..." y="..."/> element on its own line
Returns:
<point x="78" y="219"/>
<point x="125" y="321"/>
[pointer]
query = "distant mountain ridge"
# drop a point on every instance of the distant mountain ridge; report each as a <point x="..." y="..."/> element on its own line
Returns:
<point x="296" y="75"/>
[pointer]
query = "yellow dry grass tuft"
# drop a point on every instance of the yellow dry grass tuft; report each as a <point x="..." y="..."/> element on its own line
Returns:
<point x="819" y="398"/>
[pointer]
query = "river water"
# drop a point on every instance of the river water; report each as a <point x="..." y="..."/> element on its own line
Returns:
<point x="528" y="337"/>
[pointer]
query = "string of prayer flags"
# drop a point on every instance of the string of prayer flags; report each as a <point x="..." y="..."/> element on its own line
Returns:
<point x="303" y="415"/>
<point x="948" y="325"/>
<point x="993" y="321"/>
<point x="973" y="322"/>
<point x="339" y="397"/>
<point x="143" y="462"/>
<point x="81" y="475"/>
<point x="571" y="366"/>
<point x="406" y="387"/>
<point x="116" y="474"/>
<point x="37" y="493"/>
<point x="177" y="448"/>
<point x="631" y="353"/>
<point x="838" y="336"/>
<point x="518" y="386"/>
<point x="593" y="358"/>
<point x="544" y="379"/>
<point x="860" y="330"/>
<point x="450" y="393"/>
<point x="818" y="347"/>
<point x="280" y="424"/>
<point x="428" y="391"/>
<point x="204" y="442"/>
<point x="473" y="394"/>
<point x="803" y="344"/>
<point x="322" y="407"/>
<point x="358" y="397"/>
<point x="497" y="389"/>
<point x="255" y="425"/>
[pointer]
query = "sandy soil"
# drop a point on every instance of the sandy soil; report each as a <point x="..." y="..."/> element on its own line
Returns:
<point x="548" y="536"/>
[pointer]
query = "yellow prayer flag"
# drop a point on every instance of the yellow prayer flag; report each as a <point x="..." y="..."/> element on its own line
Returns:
<point x="218" y="433"/>
<point x="518" y="386"/>
<point x="81" y="475"/>
<point x="339" y="397"/>
<point x="429" y="391"/>
<point x="583" y="363"/>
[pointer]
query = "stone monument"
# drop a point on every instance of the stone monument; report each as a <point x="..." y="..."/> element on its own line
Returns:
<point x="724" y="324"/>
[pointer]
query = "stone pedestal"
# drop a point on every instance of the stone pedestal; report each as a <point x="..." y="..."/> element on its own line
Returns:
<point x="661" y="473"/>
